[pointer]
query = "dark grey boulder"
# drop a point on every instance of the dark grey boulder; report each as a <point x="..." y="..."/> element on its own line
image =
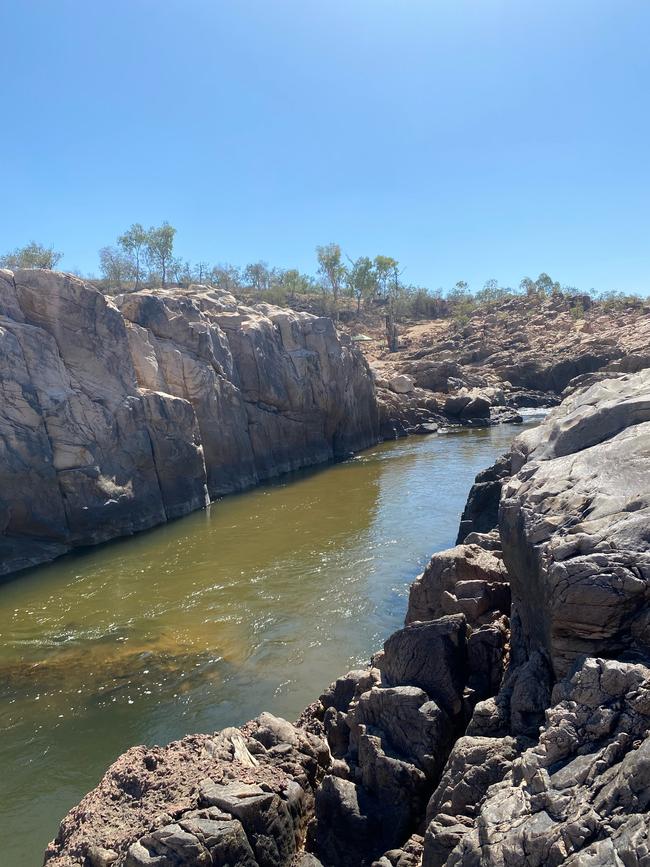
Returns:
<point x="431" y="656"/>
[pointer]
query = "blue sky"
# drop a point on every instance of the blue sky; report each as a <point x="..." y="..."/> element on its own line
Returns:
<point x="470" y="139"/>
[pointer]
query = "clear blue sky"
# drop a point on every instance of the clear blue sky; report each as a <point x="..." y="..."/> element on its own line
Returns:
<point x="468" y="138"/>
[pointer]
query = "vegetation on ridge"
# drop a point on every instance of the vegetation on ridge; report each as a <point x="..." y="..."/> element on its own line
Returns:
<point x="144" y="258"/>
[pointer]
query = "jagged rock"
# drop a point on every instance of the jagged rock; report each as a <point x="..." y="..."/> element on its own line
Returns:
<point x="475" y="763"/>
<point x="524" y="354"/>
<point x="450" y="576"/>
<point x="505" y="415"/>
<point x="468" y="405"/>
<point x="352" y="827"/>
<point x="264" y="816"/>
<point x="346" y="688"/>
<point x="410" y="724"/>
<point x="337" y="731"/>
<point x="486" y="653"/>
<point x="430" y="656"/>
<point x="432" y="375"/>
<point x="397" y="786"/>
<point x="244" y="371"/>
<point x="575" y="796"/>
<point x="305" y="859"/>
<point x="261" y="778"/>
<point x="398" y="742"/>
<point x="481" y="512"/>
<point x="552" y="770"/>
<point x="99" y="857"/>
<point x="403" y="414"/>
<point x="202" y="837"/>
<point x="490" y="717"/>
<point x="409" y="855"/>
<point x="529" y="688"/>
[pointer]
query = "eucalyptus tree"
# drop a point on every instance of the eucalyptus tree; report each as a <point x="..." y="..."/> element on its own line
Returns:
<point x="332" y="270"/>
<point x="134" y="244"/>
<point x="116" y="267"/>
<point x="160" y="250"/>
<point x="295" y="283"/>
<point x="385" y="269"/>
<point x="362" y="280"/>
<point x="258" y="276"/>
<point x="226" y="277"/>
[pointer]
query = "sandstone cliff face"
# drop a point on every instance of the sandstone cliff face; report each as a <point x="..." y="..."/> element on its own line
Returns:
<point x="117" y="417"/>
<point x="487" y="733"/>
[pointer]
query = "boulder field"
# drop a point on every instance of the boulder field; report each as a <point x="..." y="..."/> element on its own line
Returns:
<point x="521" y="352"/>
<point x="506" y="724"/>
<point x="119" y="414"/>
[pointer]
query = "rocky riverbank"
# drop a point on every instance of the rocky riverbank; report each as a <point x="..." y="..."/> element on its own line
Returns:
<point x="522" y="353"/>
<point x="120" y="414"/>
<point x="506" y="723"/>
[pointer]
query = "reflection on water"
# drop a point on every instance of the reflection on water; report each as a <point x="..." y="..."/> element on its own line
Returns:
<point x="255" y="604"/>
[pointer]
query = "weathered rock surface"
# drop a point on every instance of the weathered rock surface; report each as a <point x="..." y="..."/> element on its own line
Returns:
<point x="239" y="797"/>
<point x="431" y="656"/>
<point x="581" y="795"/>
<point x="118" y="416"/>
<point x="575" y="526"/>
<point x="524" y="353"/>
<point x="574" y="531"/>
<point x="481" y="512"/>
<point x="465" y="580"/>
<point x="547" y="699"/>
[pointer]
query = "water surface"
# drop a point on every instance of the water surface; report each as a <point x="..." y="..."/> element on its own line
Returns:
<point x="257" y="603"/>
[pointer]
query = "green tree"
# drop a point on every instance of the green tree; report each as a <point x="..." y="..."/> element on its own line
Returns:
<point x="491" y="293"/>
<point x="295" y="283"/>
<point x="116" y="267"/>
<point x="180" y="271"/>
<point x="384" y="269"/>
<point x="134" y="244"/>
<point x="160" y="249"/>
<point x="460" y="302"/>
<point x="528" y="286"/>
<point x="225" y="277"/>
<point x="426" y="303"/>
<point x="544" y="285"/>
<point x="332" y="270"/>
<point x="258" y="276"/>
<point x="362" y="280"/>
<point x="33" y="255"/>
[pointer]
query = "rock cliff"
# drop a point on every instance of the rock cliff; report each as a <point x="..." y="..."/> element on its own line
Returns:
<point x="506" y="724"/>
<point x="119" y="415"/>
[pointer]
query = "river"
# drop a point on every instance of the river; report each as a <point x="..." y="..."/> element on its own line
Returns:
<point x="256" y="603"/>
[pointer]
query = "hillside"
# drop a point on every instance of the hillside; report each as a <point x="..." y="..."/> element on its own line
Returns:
<point x="519" y="353"/>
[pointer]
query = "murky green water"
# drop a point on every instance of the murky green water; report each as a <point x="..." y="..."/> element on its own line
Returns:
<point x="256" y="604"/>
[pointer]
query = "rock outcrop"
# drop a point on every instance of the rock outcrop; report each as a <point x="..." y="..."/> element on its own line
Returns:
<point x="240" y="797"/>
<point x="507" y="724"/>
<point x="119" y="415"/>
<point x="522" y="353"/>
